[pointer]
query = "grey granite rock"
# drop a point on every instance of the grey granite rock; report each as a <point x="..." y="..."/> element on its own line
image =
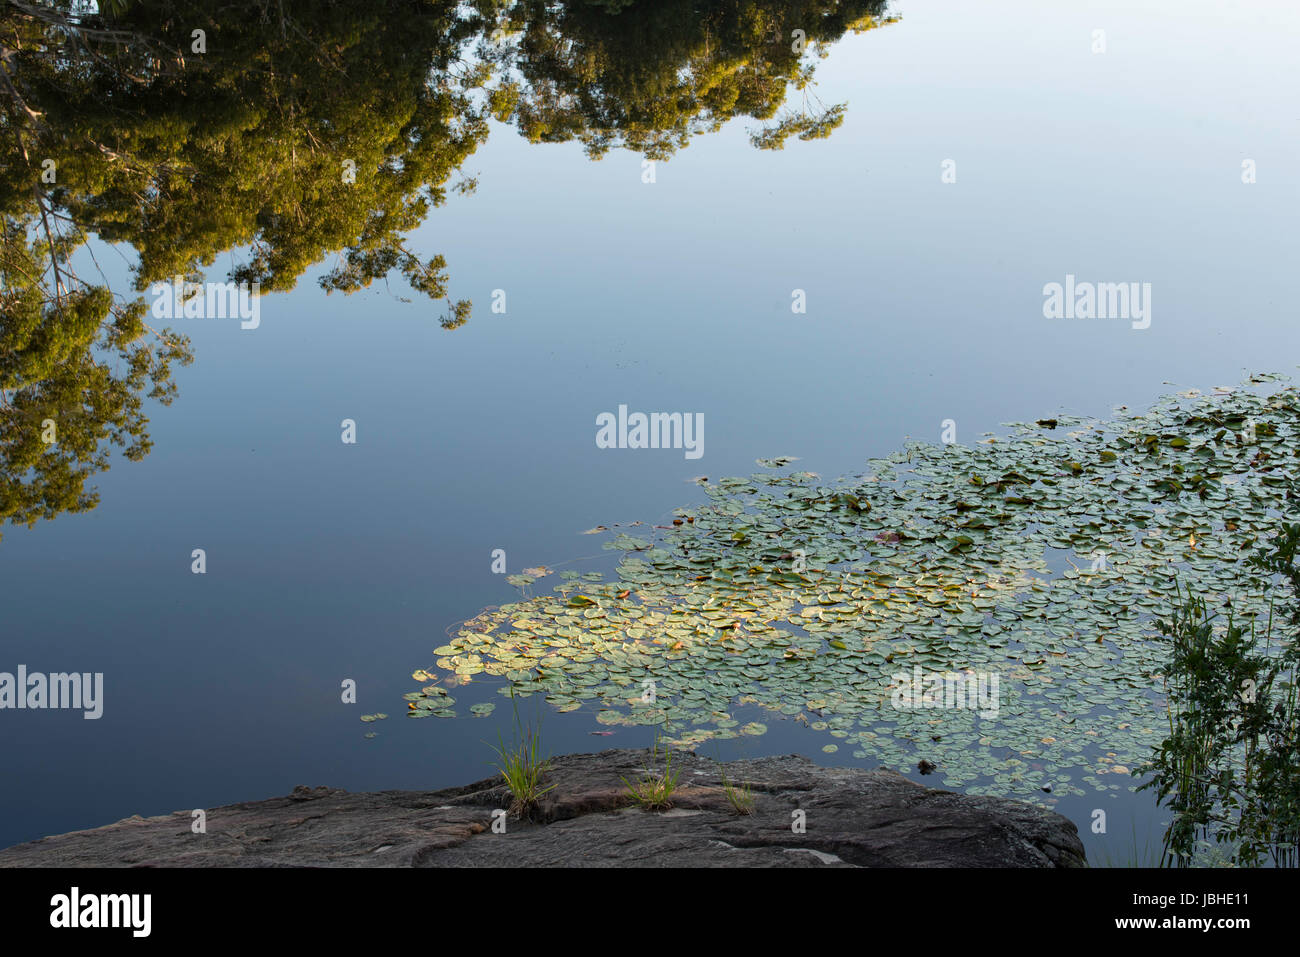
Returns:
<point x="852" y="817"/>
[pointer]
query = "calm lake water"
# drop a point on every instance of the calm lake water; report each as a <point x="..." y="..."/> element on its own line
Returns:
<point x="924" y="302"/>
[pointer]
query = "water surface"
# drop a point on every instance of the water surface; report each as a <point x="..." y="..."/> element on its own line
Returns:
<point x="328" y="561"/>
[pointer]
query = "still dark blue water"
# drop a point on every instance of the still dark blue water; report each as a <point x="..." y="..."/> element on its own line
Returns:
<point x="328" y="561"/>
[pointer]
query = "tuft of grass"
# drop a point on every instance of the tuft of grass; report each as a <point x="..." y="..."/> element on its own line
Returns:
<point x="740" y="798"/>
<point x="654" y="791"/>
<point x="523" y="767"/>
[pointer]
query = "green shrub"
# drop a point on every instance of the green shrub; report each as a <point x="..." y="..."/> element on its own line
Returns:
<point x="1230" y="768"/>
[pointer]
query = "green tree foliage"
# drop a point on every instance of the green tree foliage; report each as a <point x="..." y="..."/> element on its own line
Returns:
<point x="74" y="368"/>
<point x="253" y="143"/>
<point x="650" y="76"/>
<point x="291" y="133"/>
<point x="114" y="127"/>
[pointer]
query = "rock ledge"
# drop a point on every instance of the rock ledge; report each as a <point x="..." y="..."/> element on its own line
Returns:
<point x="853" y="818"/>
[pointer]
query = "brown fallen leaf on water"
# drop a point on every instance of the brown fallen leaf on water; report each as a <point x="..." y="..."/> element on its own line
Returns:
<point x="541" y="571"/>
<point x="624" y="593"/>
<point x="603" y="734"/>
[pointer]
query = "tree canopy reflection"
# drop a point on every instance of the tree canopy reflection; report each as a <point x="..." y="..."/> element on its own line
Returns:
<point x="291" y="133"/>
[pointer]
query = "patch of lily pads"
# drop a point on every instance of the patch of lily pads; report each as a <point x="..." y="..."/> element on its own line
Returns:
<point x="1041" y="556"/>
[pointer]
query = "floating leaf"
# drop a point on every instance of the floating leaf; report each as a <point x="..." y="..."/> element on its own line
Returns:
<point x="1041" y="557"/>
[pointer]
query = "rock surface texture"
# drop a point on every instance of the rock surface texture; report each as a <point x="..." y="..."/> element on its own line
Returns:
<point x="852" y="818"/>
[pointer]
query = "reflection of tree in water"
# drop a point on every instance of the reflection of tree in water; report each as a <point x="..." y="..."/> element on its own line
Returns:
<point x="114" y="126"/>
<point x="659" y="73"/>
